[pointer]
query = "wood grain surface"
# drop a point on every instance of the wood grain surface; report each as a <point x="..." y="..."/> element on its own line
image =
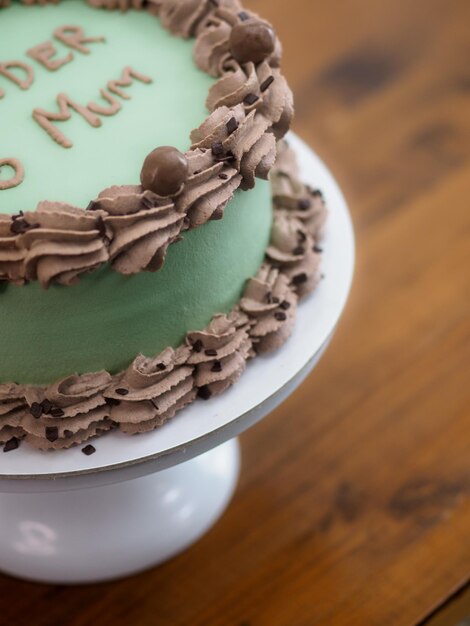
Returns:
<point x="353" y="507"/>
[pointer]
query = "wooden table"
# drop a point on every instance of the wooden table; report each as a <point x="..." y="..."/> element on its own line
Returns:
<point x="353" y="507"/>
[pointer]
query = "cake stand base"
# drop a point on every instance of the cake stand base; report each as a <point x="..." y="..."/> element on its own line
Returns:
<point x="107" y="532"/>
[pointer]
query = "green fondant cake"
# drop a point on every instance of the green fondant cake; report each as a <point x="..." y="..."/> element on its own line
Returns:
<point x="141" y="261"/>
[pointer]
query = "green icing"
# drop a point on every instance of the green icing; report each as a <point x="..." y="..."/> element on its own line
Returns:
<point x="162" y="113"/>
<point x="107" y="319"/>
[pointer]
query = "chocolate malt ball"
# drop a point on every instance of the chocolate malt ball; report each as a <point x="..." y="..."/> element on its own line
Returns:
<point x="165" y="170"/>
<point x="252" y="41"/>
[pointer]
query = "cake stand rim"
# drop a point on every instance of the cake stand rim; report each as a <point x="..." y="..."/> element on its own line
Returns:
<point x="216" y="436"/>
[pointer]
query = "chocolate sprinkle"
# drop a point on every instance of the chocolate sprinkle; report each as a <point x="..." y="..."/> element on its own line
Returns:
<point x="57" y="412"/>
<point x="93" y="206"/>
<point x="304" y="204"/>
<point x="266" y="84"/>
<point x="112" y="402"/>
<point x="68" y="434"/>
<point x="218" y="150"/>
<point x="122" y="392"/>
<point x="300" y="279"/>
<point x="11" y="444"/>
<point x="285" y="306"/>
<point x="210" y="352"/>
<point x="280" y="316"/>
<point x="101" y="226"/>
<point x="89" y="449"/>
<point x="198" y="346"/>
<point x="52" y="433"/>
<point x="275" y="300"/>
<point x="298" y="251"/>
<point x="217" y="214"/>
<point x="19" y="226"/>
<point x="204" y="393"/>
<point x="161" y="367"/>
<point x="147" y="203"/>
<point x="217" y="367"/>
<point x="250" y="99"/>
<point x="302" y="236"/>
<point x="36" y="410"/>
<point x="223" y="176"/>
<point x="231" y="125"/>
<point x="154" y="402"/>
<point x="46" y="406"/>
<point x="243" y="15"/>
<point x="317" y="249"/>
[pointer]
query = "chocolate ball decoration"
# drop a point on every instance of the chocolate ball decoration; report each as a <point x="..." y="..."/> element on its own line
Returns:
<point x="165" y="170"/>
<point x="252" y="41"/>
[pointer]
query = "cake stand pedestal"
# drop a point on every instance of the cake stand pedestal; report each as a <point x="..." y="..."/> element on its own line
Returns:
<point x="68" y="518"/>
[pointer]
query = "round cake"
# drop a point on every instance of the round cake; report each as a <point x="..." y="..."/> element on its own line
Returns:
<point x="154" y="235"/>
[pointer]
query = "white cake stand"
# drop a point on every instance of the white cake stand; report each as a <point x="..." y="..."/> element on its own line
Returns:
<point x="69" y="518"/>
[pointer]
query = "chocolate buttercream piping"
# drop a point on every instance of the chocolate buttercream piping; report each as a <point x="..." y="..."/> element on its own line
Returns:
<point x="251" y="107"/>
<point x="220" y="353"/>
<point x="60" y="244"/>
<point x="67" y="412"/>
<point x="140" y="226"/>
<point x="153" y="390"/>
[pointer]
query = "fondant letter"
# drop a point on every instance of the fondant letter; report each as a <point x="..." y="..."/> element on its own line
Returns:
<point x="74" y="37"/>
<point x="44" y="52"/>
<point x="46" y="119"/>
<point x="25" y="83"/>
<point x="17" y="177"/>
<point x="128" y="74"/>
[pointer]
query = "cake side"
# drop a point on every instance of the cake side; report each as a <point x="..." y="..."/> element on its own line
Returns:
<point x="106" y="319"/>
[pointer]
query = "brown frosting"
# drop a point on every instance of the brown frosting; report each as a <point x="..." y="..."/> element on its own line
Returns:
<point x="272" y="304"/>
<point x="304" y="202"/>
<point x="220" y="353"/>
<point x="240" y="138"/>
<point x="60" y="243"/>
<point x="251" y="107"/>
<point x="292" y="249"/>
<point x="209" y="188"/>
<point x="139" y="226"/>
<point x="11" y="257"/>
<point x="12" y="406"/>
<point x="185" y="18"/>
<point x="58" y="416"/>
<point x="153" y="390"/>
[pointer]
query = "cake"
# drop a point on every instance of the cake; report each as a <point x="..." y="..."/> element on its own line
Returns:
<point x="154" y="234"/>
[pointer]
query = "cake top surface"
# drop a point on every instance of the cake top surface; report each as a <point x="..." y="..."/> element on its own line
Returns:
<point x="161" y="112"/>
<point x="97" y="128"/>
